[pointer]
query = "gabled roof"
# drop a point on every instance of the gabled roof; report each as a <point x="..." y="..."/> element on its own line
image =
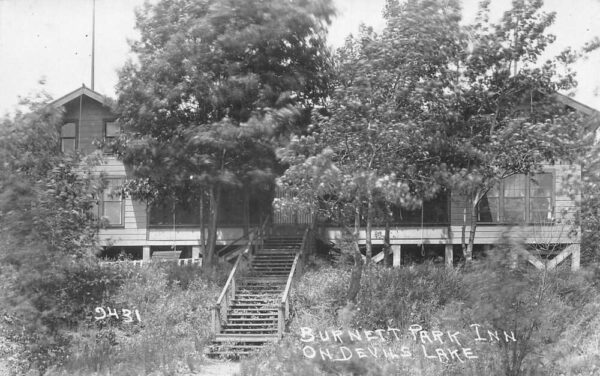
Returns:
<point x="79" y="92"/>
<point x="577" y="106"/>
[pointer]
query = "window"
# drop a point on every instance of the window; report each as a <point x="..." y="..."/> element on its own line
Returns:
<point x="540" y="193"/>
<point x="184" y="212"/>
<point x="68" y="137"/>
<point x="519" y="198"/>
<point x="111" y="130"/>
<point x="433" y="211"/>
<point x="111" y="208"/>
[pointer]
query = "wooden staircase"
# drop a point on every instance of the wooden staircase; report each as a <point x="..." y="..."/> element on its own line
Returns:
<point x="256" y="299"/>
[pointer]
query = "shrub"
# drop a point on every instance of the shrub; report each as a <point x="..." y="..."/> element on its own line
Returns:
<point x="174" y="327"/>
<point x="317" y="298"/>
<point x="536" y="305"/>
<point x="399" y="297"/>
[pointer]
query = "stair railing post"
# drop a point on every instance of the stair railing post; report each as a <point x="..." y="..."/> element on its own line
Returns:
<point x="216" y="318"/>
<point x="280" y="320"/>
<point x="232" y="289"/>
<point x="287" y="309"/>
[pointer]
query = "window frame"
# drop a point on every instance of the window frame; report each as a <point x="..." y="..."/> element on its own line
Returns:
<point x="74" y="138"/>
<point x="102" y="201"/>
<point x="527" y="212"/>
<point x="105" y="136"/>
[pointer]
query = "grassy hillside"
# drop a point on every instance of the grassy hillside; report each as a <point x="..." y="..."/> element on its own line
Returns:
<point x="486" y="319"/>
<point x="415" y="320"/>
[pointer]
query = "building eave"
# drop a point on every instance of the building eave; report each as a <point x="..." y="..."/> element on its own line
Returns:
<point x="576" y="105"/>
<point x="79" y="92"/>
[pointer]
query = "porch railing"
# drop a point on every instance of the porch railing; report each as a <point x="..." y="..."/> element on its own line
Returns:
<point x="295" y="272"/>
<point x="255" y="242"/>
<point x="140" y="263"/>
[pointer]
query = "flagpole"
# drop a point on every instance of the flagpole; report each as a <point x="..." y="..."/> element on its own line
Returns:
<point x="93" y="38"/>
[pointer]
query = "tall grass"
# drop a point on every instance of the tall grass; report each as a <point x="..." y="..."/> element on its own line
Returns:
<point x="550" y="314"/>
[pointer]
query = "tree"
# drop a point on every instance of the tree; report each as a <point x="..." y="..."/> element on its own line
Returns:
<point x="46" y="197"/>
<point x="431" y="103"/>
<point x="47" y="234"/>
<point x="358" y="154"/>
<point x="216" y="83"/>
<point x="481" y="94"/>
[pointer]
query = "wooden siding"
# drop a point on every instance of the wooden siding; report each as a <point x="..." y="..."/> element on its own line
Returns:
<point x="91" y="121"/>
<point x="565" y="212"/>
<point x="484" y="234"/>
<point x="134" y="232"/>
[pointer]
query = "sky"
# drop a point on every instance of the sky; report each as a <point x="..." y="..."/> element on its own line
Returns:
<point x="50" y="40"/>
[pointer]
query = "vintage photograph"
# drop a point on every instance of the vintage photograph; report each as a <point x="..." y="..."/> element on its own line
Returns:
<point x="299" y="187"/>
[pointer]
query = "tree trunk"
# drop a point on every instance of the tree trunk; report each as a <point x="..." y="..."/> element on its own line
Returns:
<point x="463" y="237"/>
<point x="246" y="213"/>
<point x="356" y="273"/>
<point x="202" y="227"/>
<point x="214" y="199"/>
<point x="472" y="233"/>
<point x="387" y="259"/>
<point x="368" y="242"/>
<point x="468" y="246"/>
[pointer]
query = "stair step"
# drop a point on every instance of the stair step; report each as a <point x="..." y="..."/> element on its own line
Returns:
<point x="240" y="347"/>
<point x="270" y="269"/>
<point x="251" y="314"/>
<point x="254" y="304"/>
<point x="256" y="320"/>
<point x="274" y="253"/>
<point x="268" y="324"/>
<point x="246" y="338"/>
<point x="257" y="299"/>
<point x="277" y="251"/>
<point x="249" y="331"/>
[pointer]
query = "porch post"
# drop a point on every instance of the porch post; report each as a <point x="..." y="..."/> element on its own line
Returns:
<point x="449" y="255"/>
<point x="575" y="257"/>
<point x="146" y="253"/>
<point x="396" y="254"/>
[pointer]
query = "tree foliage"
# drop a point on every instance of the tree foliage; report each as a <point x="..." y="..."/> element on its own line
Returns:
<point x="449" y="105"/>
<point x="46" y="197"/>
<point x="216" y="82"/>
<point x="47" y="234"/>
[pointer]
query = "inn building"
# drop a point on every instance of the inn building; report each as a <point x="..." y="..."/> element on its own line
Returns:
<point x="537" y="209"/>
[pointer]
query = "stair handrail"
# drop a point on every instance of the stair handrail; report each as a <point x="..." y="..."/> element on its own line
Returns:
<point x="284" y="308"/>
<point x="228" y="292"/>
<point x="230" y="245"/>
